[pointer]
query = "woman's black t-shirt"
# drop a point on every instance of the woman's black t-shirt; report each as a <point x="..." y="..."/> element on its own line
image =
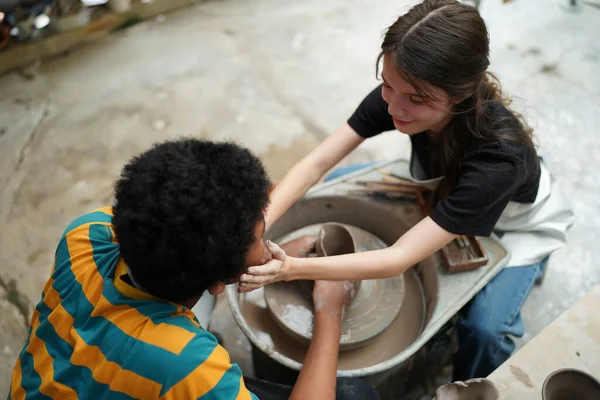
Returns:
<point x="491" y="174"/>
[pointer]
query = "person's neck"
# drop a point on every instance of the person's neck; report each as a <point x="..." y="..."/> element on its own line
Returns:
<point x="190" y="303"/>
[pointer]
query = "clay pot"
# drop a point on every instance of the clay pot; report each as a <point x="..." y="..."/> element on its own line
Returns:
<point x="336" y="240"/>
<point x="473" y="389"/>
<point x="570" y="384"/>
<point x="333" y="240"/>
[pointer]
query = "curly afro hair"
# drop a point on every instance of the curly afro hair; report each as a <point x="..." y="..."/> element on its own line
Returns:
<point x="185" y="213"/>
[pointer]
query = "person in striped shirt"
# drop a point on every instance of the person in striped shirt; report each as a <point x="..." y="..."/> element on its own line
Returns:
<point x="115" y="320"/>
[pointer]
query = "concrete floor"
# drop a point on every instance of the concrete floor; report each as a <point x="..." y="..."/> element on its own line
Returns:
<point x="277" y="77"/>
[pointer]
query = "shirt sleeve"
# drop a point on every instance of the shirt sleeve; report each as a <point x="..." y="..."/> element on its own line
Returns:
<point x="371" y="117"/>
<point x="213" y="378"/>
<point x="488" y="180"/>
<point x="89" y="232"/>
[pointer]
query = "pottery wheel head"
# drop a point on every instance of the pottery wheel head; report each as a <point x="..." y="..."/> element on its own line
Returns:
<point x="375" y="303"/>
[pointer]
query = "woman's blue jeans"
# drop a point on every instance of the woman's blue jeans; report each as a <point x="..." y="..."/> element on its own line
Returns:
<point x="488" y="321"/>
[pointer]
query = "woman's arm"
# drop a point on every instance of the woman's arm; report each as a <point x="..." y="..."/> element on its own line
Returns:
<point x="309" y="170"/>
<point x="420" y="242"/>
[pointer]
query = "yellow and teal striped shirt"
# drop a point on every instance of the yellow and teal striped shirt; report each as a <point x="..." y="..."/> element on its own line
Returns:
<point x="94" y="336"/>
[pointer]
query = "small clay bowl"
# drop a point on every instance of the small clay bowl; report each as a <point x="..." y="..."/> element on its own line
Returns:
<point x="473" y="389"/>
<point x="570" y="384"/>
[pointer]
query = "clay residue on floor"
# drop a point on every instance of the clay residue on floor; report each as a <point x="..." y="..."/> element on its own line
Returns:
<point x="520" y="375"/>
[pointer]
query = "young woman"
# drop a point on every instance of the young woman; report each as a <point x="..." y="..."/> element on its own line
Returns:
<point x="437" y="90"/>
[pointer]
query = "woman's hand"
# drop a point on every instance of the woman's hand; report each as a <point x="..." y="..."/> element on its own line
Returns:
<point x="273" y="271"/>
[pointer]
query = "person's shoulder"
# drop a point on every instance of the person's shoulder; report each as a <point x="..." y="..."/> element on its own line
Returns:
<point x="503" y="163"/>
<point x="91" y="235"/>
<point x="501" y="117"/>
<point x="499" y="151"/>
<point x="371" y="117"/>
<point x="100" y="216"/>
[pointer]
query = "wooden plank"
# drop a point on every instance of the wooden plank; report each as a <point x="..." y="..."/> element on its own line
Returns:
<point x="100" y="25"/>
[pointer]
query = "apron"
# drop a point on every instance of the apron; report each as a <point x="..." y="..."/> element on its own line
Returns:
<point x="530" y="232"/>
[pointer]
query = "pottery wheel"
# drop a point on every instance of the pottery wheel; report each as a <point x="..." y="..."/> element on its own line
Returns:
<point x="373" y="309"/>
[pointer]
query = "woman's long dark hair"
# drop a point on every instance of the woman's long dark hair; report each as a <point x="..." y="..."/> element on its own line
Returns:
<point x="445" y="44"/>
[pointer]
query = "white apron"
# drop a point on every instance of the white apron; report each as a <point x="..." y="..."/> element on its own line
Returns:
<point x="530" y="232"/>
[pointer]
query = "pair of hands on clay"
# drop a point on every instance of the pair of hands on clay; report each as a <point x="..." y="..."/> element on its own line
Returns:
<point x="328" y="296"/>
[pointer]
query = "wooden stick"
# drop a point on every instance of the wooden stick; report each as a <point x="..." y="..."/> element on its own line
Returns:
<point x="422" y="203"/>
<point x="388" y="195"/>
<point x="382" y="186"/>
<point x="397" y="179"/>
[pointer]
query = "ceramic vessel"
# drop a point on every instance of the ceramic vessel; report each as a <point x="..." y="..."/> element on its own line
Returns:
<point x="570" y="384"/>
<point x="473" y="389"/>
<point x="334" y="240"/>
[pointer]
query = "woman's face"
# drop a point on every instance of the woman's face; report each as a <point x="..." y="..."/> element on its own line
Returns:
<point x="411" y="114"/>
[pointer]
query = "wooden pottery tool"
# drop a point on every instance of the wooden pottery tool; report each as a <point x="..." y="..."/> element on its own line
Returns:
<point x="383" y="195"/>
<point x="391" y="177"/>
<point x="393" y="187"/>
<point x="387" y="187"/>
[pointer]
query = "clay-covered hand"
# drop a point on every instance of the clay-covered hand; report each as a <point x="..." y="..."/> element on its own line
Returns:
<point x="300" y="247"/>
<point x="332" y="297"/>
<point x="260" y="275"/>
